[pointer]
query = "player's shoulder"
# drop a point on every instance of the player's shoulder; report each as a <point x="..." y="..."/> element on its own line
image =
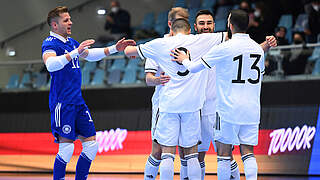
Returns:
<point x="49" y="40"/>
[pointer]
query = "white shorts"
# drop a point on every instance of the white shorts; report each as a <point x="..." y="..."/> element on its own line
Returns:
<point x="207" y="132"/>
<point x="154" y="119"/>
<point x="236" y="134"/>
<point x="182" y="129"/>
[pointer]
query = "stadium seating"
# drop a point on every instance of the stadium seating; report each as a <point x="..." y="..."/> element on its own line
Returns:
<point x="13" y="82"/>
<point x="98" y="78"/>
<point x="25" y="81"/>
<point x="129" y="77"/>
<point x="180" y="3"/>
<point x="85" y="77"/>
<point x="192" y="18"/>
<point x="114" y="77"/>
<point x="208" y="4"/>
<point x="301" y="23"/>
<point x="40" y="80"/>
<point x="161" y="24"/>
<point x="220" y="25"/>
<point x="222" y="12"/>
<point x="148" y="21"/>
<point x="133" y="64"/>
<point x="90" y="66"/>
<point x="286" y="21"/>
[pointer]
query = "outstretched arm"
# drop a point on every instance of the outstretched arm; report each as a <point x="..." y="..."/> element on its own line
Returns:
<point x="96" y="54"/>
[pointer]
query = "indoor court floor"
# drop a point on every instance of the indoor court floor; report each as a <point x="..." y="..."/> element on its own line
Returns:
<point x="41" y="176"/>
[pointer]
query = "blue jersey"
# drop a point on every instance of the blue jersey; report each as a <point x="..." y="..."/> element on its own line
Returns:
<point x="65" y="83"/>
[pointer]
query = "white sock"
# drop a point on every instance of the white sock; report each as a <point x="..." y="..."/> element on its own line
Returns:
<point x="151" y="168"/>
<point x="183" y="169"/>
<point x="250" y="166"/>
<point x="194" y="170"/>
<point x="166" y="166"/>
<point x="203" y="169"/>
<point x="224" y="168"/>
<point x="235" y="174"/>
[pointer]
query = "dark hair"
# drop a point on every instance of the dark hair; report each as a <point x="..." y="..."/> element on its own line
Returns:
<point x="204" y="12"/>
<point x="277" y="29"/>
<point x="56" y="13"/>
<point x="180" y="24"/>
<point x="240" y="20"/>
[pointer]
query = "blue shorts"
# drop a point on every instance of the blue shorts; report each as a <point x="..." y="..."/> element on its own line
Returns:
<point x="70" y="121"/>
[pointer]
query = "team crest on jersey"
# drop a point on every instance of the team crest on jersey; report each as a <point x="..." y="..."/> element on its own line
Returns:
<point x="66" y="129"/>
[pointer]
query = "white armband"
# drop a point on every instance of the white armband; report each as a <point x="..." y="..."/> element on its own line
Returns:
<point x="112" y="49"/>
<point x="55" y="63"/>
<point x="95" y="54"/>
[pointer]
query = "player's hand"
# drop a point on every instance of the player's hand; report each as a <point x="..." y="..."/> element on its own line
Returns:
<point x="179" y="56"/>
<point x="85" y="45"/>
<point x="164" y="78"/>
<point x="272" y="41"/>
<point x="122" y="44"/>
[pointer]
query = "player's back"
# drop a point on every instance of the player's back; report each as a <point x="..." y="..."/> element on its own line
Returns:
<point x="65" y="83"/>
<point x="239" y="78"/>
<point x="185" y="92"/>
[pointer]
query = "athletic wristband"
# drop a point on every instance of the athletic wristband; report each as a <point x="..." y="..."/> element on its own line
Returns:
<point x="74" y="53"/>
<point x="112" y="49"/>
<point x="186" y="63"/>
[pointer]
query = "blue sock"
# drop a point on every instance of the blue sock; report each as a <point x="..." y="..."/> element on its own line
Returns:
<point x="83" y="166"/>
<point x="59" y="168"/>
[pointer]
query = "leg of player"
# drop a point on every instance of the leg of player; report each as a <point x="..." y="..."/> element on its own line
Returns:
<point x="64" y="155"/>
<point x="152" y="165"/>
<point x="235" y="173"/>
<point x="183" y="166"/>
<point x="194" y="170"/>
<point x="88" y="154"/>
<point x="224" y="152"/>
<point x="249" y="162"/>
<point x="202" y="163"/>
<point x="166" y="165"/>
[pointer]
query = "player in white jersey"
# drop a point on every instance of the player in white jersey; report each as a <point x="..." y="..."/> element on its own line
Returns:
<point x="239" y="67"/>
<point x="204" y="23"/>
<point x="179" y="121"/>
<point x="153" y="78"/>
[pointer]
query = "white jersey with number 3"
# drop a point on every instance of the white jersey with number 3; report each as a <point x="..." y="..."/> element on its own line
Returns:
<point x="239" y="67"/>
<point x="185" y="92"/>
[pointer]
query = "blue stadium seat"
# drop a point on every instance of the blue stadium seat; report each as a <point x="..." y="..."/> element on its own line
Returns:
<point x="40" y="80"/>
<point x="161" y="23"/>
<point x="114" y="76"/>
<point x="141" y="73"/>
<point x="90" y="66"/>
<point x="286" y="21"/>
<point x="222" y="12"/>
<point x="98" y="78"/>
<point x="13" y="82"/>
<point x="85" y="77"/>
<point x="301" y="23"/>
<point x="129" y="77"/>
<point x="180" y="3"/>
<point x="220" y="25"/>
<point x="25" y="81"/>
<point x="192" y="18"/>
<point x="208" y="4"/>
<point x="118" y="64"/>
<point x="194" y="4"/>
<point x="148" y="21"/>
<point x="133" y="63"/>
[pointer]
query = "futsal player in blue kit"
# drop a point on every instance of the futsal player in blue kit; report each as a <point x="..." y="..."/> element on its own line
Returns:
<point x="70" y="116"/>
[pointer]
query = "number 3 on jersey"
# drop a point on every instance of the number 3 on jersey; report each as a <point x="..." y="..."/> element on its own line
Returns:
<point x="254" y="66"/>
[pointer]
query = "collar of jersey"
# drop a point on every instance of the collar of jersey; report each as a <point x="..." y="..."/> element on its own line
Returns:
<point x="59" y="37"/>
<point x="240" y="35"/>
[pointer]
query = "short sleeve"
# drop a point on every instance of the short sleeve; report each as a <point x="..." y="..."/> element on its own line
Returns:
<point x="151" y="66"/>
<point x="149" y="49"/>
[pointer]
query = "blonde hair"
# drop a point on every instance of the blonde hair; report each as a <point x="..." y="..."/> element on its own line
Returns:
<point x="178" y="11"/>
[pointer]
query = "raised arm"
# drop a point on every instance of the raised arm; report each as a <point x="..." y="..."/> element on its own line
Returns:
<point x="55" y="63"/>
<point x="181" y="57"/>
<point x="270" y="41"/>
